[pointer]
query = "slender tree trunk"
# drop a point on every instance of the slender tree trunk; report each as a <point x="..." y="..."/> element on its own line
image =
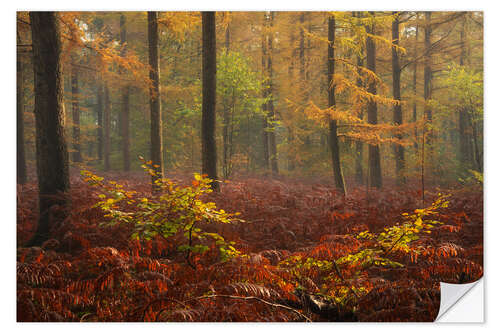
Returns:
<point x="75" y="107"/>
<point x="155" y="98"/>
<point x="126" y="128"/>
<point x="225" y="140"/>
<point x="415" y="71"/>
<point x="231" y="135"/>
<point x="51" y="147"/>
<point x="22" y="175"/>
<point x="304" y="74"/>
<point x="290" y="131"/>
<point x="225" y="120"/>
<point x="107" y="128"/>
<point x="209" y="71"/>
<point x="291" y="149"/>
<point x="478" y="154"/>
<point x="265" y="140"/>
<point x="302" y="59"/>
<point x="334" y="140"/>
<point x="427" y="65"/>
<point x="399" y="152"/>
<point x="228" y="38"/>
<point x="359" y="144"/>
<point x="373" y="150"/>
<point x="125" y="103"/>
<point x="273" y="152"/>
<point x="465" y="153"/>
<point x="427" y="87"/>
<point x="99" y="111"/>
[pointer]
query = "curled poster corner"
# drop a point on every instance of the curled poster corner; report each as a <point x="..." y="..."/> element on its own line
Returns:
<point x="460" y="304"/>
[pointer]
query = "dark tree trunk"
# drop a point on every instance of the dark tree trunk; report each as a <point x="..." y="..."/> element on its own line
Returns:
<point x="209" y="71"/>
<point x="427" y="137"/>
<point x="75" y="107"/>
<point x="359" y="144"/>
<point x="51" y="148"/>
<point x="478" y="153"/>
<point x="464" y="130"/>
<point x="226" y="158"/>
<point x="126" y="128"/>
<point x="415" y="69"/>
<point x="107" y="128"/>
<point x="290" y="131"/>
<point x="265" y="140"/>
<point x="399" y="152"/>
<point x="228" y="39"/>
<point x="155" y="98"/>
<point x="334" y="140"/>
<point x="291" y="149"/>
<point x="304" y="74"/>
<point x="225" y="140"/>
<point x="125" y="103"/>
<point x="302" y="59"/>
<point x="22" y="175"/>
<point x="375" y="172"/>
<point x="273" y="152"/>
<point x="99" y="111"/>
<point x="427" y="66"/>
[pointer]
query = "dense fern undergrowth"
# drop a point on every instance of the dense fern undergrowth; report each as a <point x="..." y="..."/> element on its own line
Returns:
<point x="302" y="253"/>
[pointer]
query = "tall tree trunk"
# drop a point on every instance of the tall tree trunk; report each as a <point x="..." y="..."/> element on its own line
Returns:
<point x="465" y="153"/>
<point x="415" y="71"/>
<point x="225" y="120"/>
<point x="225" y="139"/>
<point x="427" y="88"/>
<point x="75" y="107"/>
<point x="208" y="118"/>
<point x="478" y="153"/>
<point x="22" y="175"/>
<point x="359" y="144"/>
<point x="290" y="131"/>
<point x="304" y="74"/>
<point x="227" y="38"/>
<point x="155" y="98"/>
<point x="265" y="134"/>
<point x="125" y="103"/>
<point x="273" y="152"/>
<point x="427" y="65"/>
<point x="399" y="152"/>
<point x="373" y="150"/>
<point x="334" y="140"/>
<point x="302" y="59"/>
<point x="51" y="147"/>
<point x="107" y="128"/>
<point x="99" y="111"/>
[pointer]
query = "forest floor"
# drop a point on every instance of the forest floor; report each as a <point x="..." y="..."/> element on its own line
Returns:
<point x="291" y="241"/>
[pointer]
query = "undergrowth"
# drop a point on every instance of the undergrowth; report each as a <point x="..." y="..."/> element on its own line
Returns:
<point x="303" y="253"/>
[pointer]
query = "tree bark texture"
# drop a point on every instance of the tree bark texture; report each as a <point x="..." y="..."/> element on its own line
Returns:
<point x="75" y="108"/>
<point x="22" y="175"/>
<point x="359" y="144"/>
<point x="334" y="140"/>
<point x="375" y="172"/>
<point x="208" y="118"/>
<point x="265" y="134"/>
<point x="107" y="128"/>
<point x="51" y="146"/>
<point x="125" y="102"/>
<point x="155" y="97"/>
<point x="271" y="116"/>
<point x="99" y="112"/>
<point x="399" y="153"/>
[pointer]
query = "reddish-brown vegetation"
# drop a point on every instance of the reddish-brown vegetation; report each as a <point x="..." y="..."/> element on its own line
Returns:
<point x="89" y="273"/>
